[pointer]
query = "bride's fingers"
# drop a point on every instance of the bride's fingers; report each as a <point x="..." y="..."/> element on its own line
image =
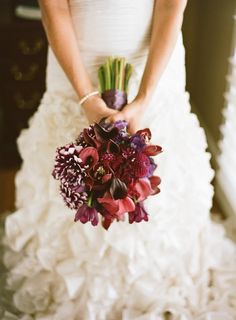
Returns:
<point x="113" y="118"/>
<point x="132" y="128"/>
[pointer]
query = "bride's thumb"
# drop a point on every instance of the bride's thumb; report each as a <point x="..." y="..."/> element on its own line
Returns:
<point x="112" y="118"/>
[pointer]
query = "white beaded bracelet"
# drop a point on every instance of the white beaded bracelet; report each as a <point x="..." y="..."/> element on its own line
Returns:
<point x="82" y="100"/>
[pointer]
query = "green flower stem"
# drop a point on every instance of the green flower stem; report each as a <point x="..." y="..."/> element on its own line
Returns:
<point x="107" y="75"/>
<point x="112" y="72"/>
<point x="101" y="79"/>
<point x="115" y="73"/>
<point x="90" y="200"/>
<point x="128" y="73"/>
<point x="121" y="74"/>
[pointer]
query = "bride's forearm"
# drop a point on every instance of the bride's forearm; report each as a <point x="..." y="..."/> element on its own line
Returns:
<point x="61" y="36"/>
<point x="167" y="22"/>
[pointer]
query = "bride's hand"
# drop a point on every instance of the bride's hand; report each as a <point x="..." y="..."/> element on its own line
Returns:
<point x="132" y="113"/>
<point x="95" y="109"/>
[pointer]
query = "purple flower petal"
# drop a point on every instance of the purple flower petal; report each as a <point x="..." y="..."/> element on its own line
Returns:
<point x="85" y="214"/>
<point x="138" y="214"/>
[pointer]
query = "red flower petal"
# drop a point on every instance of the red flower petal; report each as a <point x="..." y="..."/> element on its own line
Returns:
<point x="155" y="181"/>
<point x="141" y="165"/>
<point x="152" y="150"/>
<point x="106" y="177"/>
<point x="116" y="207"/>
<point x="89" y="156"/>
<point x="145" y="133"/>
<point x="143" y="188"/>
<point x="108" y="203"/>
<point x="125" y="205"/>
<point x="106" y="222"/>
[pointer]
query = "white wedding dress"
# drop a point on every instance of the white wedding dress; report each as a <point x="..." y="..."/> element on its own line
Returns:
<point x="179" y="264"/>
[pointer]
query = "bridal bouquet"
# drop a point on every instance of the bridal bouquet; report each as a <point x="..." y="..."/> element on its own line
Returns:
<point x="106" y="171"/>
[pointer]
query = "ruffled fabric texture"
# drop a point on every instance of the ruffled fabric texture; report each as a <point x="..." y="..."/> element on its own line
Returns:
<point x="179" y="263"/>
<point x="177" y="266"/>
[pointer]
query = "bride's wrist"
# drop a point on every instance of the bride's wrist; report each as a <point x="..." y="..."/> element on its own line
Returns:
<point x="88" y="96"/>
<point x="143" y="98"/>
<point x="95" y="103"/>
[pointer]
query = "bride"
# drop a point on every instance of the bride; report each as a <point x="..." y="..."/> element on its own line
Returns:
<point x="179" y="264"/>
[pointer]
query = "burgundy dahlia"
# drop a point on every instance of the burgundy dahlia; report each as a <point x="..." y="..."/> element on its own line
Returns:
<point x="68" y="168"/>
<point x="140" y="166"/>
<point x="73" y="197"/>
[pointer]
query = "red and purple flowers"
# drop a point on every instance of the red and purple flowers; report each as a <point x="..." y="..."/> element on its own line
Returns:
<point x="107" y="173"/>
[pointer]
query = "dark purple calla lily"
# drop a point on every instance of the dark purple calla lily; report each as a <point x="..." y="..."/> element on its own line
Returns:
<point x="113" y="147"/>
<point x="90" y="138"/>
<point x="104" y="135"/>
<point x="118" y="189"/>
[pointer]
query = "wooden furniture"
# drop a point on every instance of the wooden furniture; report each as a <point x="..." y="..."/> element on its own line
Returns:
<point x="22" y="77"/>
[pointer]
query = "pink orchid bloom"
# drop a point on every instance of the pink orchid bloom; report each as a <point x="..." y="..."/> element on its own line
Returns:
<point x="155" y="181"/>
<point x="152" y="150"/>
<point x="117" y="207"/>
<point x="145" y="187"/>
<point x="145" y="133"/>
<point x="142" y="189"/>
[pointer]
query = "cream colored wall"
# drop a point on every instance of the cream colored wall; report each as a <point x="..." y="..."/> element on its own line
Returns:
<point x="208" y="30"/>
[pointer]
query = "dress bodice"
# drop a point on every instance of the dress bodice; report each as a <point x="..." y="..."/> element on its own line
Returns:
<point x="118" y="28"/>
<point x="107" y="27"/>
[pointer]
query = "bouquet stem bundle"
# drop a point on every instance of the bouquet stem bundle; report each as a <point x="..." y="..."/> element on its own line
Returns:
<point x="114" y="76"/>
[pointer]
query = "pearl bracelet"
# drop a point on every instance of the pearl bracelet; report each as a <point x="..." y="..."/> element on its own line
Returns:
<point x="82" y="100"/>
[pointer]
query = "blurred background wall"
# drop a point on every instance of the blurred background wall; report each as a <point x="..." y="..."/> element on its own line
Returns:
<point x="209" y="36"/>
<point x="208" y="32"/>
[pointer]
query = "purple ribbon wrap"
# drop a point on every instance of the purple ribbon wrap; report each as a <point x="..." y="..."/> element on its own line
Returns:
<point x="115" y="99"/>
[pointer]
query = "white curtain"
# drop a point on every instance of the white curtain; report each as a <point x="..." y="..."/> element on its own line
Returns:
<point x="226" y="173"/>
